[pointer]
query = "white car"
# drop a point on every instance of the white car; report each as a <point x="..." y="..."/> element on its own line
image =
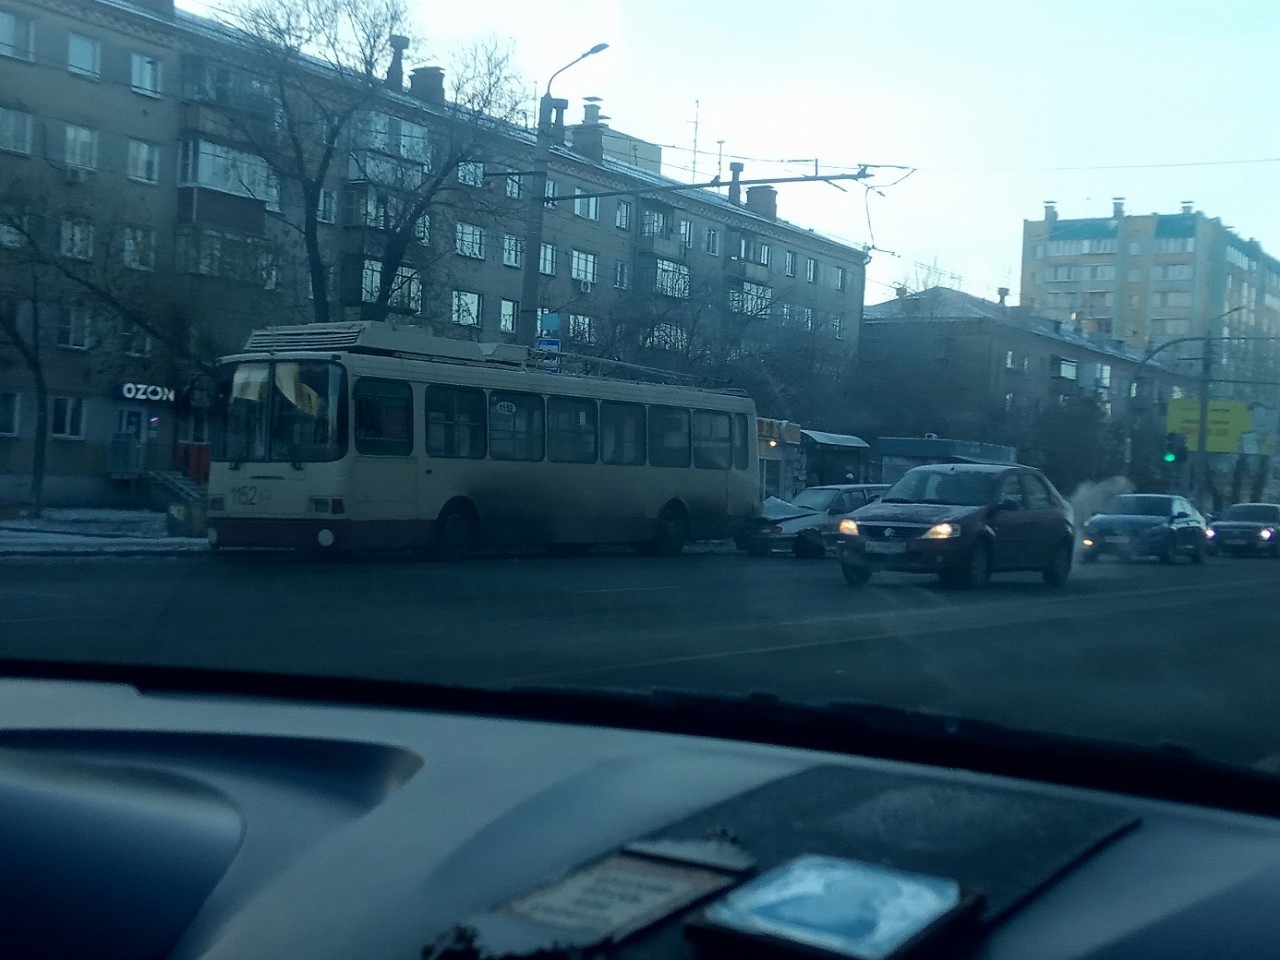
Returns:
<point x="805" y="525"/>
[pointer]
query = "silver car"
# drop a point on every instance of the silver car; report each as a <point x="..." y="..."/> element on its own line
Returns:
<point x="806" y="524"/>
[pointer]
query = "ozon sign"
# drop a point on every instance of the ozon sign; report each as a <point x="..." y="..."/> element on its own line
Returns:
<point x="145" y="391"/>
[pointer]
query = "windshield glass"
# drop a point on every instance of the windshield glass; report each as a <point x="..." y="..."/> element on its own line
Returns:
<point x="814" y="499"/>
<point x="1253" y="513"/>
<point x="282" y="411"/>
<point x="1141" y="506"/>
<point x="945" y="485"/>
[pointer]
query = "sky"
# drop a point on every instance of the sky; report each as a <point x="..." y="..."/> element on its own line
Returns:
<point x="998" y="105"/>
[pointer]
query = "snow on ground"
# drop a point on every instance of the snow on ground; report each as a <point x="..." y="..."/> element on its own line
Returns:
<point x="39" y="541"/>
<point x="99" y="522"/>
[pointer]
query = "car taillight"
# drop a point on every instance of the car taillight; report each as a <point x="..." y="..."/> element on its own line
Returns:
<point x="776" y="530"/>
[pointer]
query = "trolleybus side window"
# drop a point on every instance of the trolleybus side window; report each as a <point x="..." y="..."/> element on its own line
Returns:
<point x="668" y="437"/>
<point x="384" y="417"/>
<point x="741" y="452"/>
<point x="455" y="422"/>
<point x="571" y="430"/>
<point x="516" y="426"/>
<point x="712" y="442"/>
<point x="622" y="433"/>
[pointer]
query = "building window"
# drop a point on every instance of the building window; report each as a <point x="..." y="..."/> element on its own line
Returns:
<point x="82" y="147"/>
<point x="514" y="186"/>
<point x="580" y="328"/>
<point x="671" y="279"/>
<point x="84" y="56"/>
<point x="811" y="270"/>
<point x="145" y="72"/>
<point x="422" y="228"/>
<point x="471" y="173"/>
<point x="144" y="161"/>
<point x="1064" y="369"/>
<point x="837" y="325"/>
<point x="582" y="266"/>
<point x="516" y="426"/>
<point x="466" y="308"/>
<point x="470" y="241"/>
<point x="669" y="336"/>
<point x="139" y="251"/>
<point x="327" y="206"/>
<point x="712" y="245"/>
<point x="1173" y="271"/>
<point x="753" y="299"/>
<point x="512" y="250"/>
<point x="762" y="254"/>
<point x="622" y="216"/>
<point x="547" y="260"/>
<point x="571" y="430"/>
<point x="134" y="342"/>
<point x="586" y="207"/>
<point x="1104" y="376"/>
<point x="75" y="323"/>
<point x="455" y="422"/>
<point x="622" y="275"/>
<point x="839" y="278"/>
<point x="406" y="287"/>
<point x="549" y="193"/>
<point x="15" y="36"/>
<point x="1175" y="245"/>
<point x="654" y="224"/>
<point x="686" y="233"/>
<point x="14" y="233"/>
<point x="8" y="414"/>
<point x="227" y="170"/>
<point x="507" y="318"/>
<point x="67" y="420"/>
<point x="1008" y="360"/>
<point x="789" y="263"/>
<point x="1009" y="400"/>
<point x="77" y="238"/>
<point x="15" y="131"/>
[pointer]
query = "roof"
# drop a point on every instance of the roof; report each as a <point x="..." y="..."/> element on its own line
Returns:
<point x="835" y="439"/>
<point x="976" y="466"/>
<point x="945" y="304"/>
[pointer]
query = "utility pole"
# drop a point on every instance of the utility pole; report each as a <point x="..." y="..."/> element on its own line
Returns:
<point x="1202" y="446"/>
<point x="527" y="321"/>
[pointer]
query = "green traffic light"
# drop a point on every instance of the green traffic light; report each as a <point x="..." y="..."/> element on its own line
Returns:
<point x="1170" y="457"/>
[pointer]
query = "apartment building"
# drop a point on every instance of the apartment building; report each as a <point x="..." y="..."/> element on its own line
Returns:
<point x="1151" y="278"/>
<point x="992" y="369"/>
<point x="127" y="162"/>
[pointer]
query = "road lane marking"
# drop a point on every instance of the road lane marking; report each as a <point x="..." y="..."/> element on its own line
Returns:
<point x="904" y="632"/>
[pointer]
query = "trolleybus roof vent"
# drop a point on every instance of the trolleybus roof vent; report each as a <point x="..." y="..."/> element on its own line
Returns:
<point x="307" y="336"/>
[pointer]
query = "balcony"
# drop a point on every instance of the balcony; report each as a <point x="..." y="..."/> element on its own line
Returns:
<point x="664" y="244"/>
<point x="746" y="269"/>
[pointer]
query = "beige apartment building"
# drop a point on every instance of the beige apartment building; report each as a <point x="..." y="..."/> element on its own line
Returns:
<point x="120" y="169"/>
<point x="1151" y="278"/>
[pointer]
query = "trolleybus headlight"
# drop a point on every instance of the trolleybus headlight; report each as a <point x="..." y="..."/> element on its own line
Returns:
<point x="325" y="537"/>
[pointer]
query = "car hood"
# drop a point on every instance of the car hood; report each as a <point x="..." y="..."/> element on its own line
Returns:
<point x="796" y="524"/>
<point x="914" y="512"/>
<point x="1125" y="521"/>
<point x="777" y="510"/>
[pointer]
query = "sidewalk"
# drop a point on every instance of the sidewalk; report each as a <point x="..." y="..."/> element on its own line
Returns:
<point x="87" y="531"/>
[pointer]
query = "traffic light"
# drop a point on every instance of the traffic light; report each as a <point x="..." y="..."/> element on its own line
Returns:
<point x="1175" y="448"/>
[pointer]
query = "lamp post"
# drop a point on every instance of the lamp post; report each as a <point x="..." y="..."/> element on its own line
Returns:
<point x="527" y="321"/>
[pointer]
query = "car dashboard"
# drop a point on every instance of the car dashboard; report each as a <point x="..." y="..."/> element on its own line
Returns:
<point x="191" y="824"/>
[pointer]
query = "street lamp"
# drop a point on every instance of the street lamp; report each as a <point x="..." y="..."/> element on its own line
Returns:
<point x="527" y="322"/>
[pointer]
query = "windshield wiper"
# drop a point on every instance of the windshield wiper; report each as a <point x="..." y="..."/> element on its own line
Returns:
<point x="894" y="500"/>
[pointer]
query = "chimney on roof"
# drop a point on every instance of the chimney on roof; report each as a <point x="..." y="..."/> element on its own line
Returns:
<point x="900" y="292"/>
<point x="591" y="113"/>
<point x="1051" y="210"/>
<point x="1117" y="207"/>
<point x="588" y="138"/>
<point x="735" y="174"/>
<point x="427" y="84"/>
<point x="763" y="200"/>
<point x="1188" y="206"/>
<point x="395" y="72"/>
<point x="1003" y="294"/>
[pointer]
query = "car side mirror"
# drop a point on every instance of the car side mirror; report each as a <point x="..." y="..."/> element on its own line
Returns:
<point x="1008" y="503"/>
<point x="1181" y="515"/>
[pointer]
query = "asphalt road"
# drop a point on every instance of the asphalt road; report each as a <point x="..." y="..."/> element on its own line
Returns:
<point x="1141" y="652"/>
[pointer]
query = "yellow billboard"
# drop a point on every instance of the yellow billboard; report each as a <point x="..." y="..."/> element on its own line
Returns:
<point x="1235" y="426"/>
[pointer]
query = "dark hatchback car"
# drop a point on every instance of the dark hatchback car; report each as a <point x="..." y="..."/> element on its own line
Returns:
<point x="962" y="522"/>
<point x="1247" y="529"/>
<point x="1145" y="525"/>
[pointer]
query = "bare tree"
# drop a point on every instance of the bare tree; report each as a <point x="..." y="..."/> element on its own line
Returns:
<point x="322" y="70"/>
